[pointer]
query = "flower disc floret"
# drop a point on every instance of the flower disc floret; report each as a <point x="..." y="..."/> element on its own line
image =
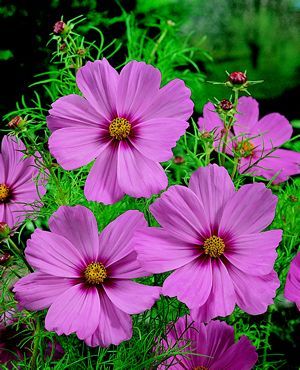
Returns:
<point x="95" y="273"/>
<point x="4" y="193"/>
<point x="214" y="246"/>
<point x="119" y="128"/>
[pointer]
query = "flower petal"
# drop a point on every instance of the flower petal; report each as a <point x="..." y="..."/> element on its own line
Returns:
<point x="79" y="226"/>
<point x="247" y="116"/>
<point x="191" y="284"/>
<point x="158" y="251"/>
<point x="241" y="216"/>
<point x="75" y="311"/>
<point x="102" y="182"/>
<point x="131" y="297"/>
<point x="98" y="83"/>
<point x="180" y="212"/>
<point x="139" y="176"/>
<point x="292" y="285"/>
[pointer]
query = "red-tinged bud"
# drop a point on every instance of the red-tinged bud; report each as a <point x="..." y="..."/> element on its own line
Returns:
<point x="226" y="105"/>
<point x="60" y="28"/>
<point x="16" y="123"/>
<point x="4" y="230"/>
<point x="206" y="135"/>
<point x="63" y="46"/>
<point x="4" y="258"/>
<point x="237" y="78"/>
<point x="81" y="52"/>
<point x="178" y="160"/>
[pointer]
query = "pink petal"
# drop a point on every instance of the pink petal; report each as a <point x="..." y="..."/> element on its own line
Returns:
<point x="211" y="120"/>
<point x="247" y="116"/>
<point x="138" y="86"/>
<point x="98" y="83"/>
<point x="254" y="254"/>
<point x="131" y="297"/>
<point x="127" y="268"/>
<point x="292" y="285"/>
<point x="114" y="325"/>
<point x="102" y="182"/>
<point x="191" y="284"/>
<point x="53" y="254"/>
<point x="222" y="298"/>
<point x="180" y="212"/>
<point x="75" y="311"/>
<point x="12" y="213"/>
<point x="250" y="210"/>
<point x="156" y="137"/>
<point x="74" y="111"/>
<point x="79" y="226"/>
<point x="172" y="101"/>
<point x="76" y="147"/>
<point x="254" y="301"/>
<point x="158" y="251"/>
<point x="2" y="170"/>
<point x="38" y="291"/>
<point x="139" y="176"/>
<point x="213" y="187"/>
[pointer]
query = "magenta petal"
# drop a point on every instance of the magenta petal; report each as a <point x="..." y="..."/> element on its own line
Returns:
<point x="114" y="325"/>
<point x="242" y="216"/>
<point x="37" y="291"/>
<point x="191" y="284"/>
<point x="102" y="182"/>
<point x="292" y="285"/>
<point x="254" y="301"/>
<point x="76" y="147"/>
<point x="2" y="170"/>
<point x="139" y="176"/>
<point x="75" y="311"/>
<point x="12" y="213"/>
<point x="180" y="212"/>
<point x="79" y="226"/>
<point x="156" y="137"/>
<point x="158" y="251"/>
<point x="98" y="82"/>
<point x="247" y="116"/>
<point x="213" y="187"/>
<point x="73" y="111"/>
<point x="211" y="120"/>
<point x="254" y="254"/>
<point x="53" y="254"/>
<point x="172" y="101"/>
<point x="222" y="298"/>
<point x="131" y="297"/>
<point x="138" y="85"/>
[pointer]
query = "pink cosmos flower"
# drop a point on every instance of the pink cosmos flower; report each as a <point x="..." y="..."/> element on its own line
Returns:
<point x="126" y="122"/>
<point x="17" y="185"/>
<point x="292" y="285"/>
<point x="213" y="345"/>
<point x="212" y="236"/>
<point x="84" y="278"/>
<point x="254" y="140"/>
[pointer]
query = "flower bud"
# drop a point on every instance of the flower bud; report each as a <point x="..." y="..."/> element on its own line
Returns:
<point x="16" y="123"/>
<point x="60" y="28"/>
<point x="63" y="46"/>
<point x="4" y="230"/>
<point x="237" y="78"/>
<point x="225" y="105"/>
<point x="81" y="52"/>
<point x="4" y="258"/>
<point x="178" y="160"/>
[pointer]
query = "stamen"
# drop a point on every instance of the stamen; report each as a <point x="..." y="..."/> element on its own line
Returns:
<point x="95" y="273"/>
<point x="245" y="148"/>
<point x="201" y="368"/>
<point x="5" y="193"/>
<point x="214" y="246"/>
<point x="119" y="128"/>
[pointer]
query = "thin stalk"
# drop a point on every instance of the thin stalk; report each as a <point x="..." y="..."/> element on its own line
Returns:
<point x="15" y="249"/>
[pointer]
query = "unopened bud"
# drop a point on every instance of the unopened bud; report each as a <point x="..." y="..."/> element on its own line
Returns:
<point x="63" y="46"/>
<point x="237" y="78"/>
<point x="16" y="123"/>
<point x="4" y="230"/>
<point x="60" y="28"/>
<point x="178" y="160"/>
<point x="81" y="51"/>
<point x="4" y="258"/>
<point x="226" y="105"/>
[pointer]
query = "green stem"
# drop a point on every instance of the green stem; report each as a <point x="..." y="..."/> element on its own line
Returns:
<point x="265" y="354"/>
<point x="159" y="41"/>
<point x="36" y="344"/>
<point x="15" y="249"/>
<point x="235" y="166"/>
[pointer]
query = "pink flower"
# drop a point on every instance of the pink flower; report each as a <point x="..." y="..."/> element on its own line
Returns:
<point x="254" y="140"/>
<point x="211" y="235"/>
<point x="126" y="122"/>
<point x="17" y="185"/>
<point x="213" y="345"/>
<point x="292" y="285"/>
<point x="85" y="278"/>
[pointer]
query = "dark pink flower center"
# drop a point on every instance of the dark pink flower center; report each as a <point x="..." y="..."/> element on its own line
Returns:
<point x="5" y="193"/>
<point x="214" y="246"/>
<point x="95" y="273"/>
<point x="119" y="128"/>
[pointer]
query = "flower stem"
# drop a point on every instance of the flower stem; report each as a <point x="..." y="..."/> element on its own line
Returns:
<point x="15" y="249"/>
<point x="36" y="344"/>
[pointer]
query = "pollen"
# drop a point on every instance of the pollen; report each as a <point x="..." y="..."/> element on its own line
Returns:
<point x="4" y="193"/>
<point x="214" y="246"/>
<point x="200" y="368"/>
<point x="119" y="128"/>
<point x="245" y="149"/>
<point x="95" y="273"/>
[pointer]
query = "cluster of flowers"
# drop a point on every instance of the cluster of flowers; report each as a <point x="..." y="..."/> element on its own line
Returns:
<point x="211" y="235"/>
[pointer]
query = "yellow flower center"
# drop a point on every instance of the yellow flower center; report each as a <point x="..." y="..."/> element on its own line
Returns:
<point x="245" y="149"/>
<point x="214" y="246"/>
<point x="95" y="273"/>
<point x="4" y="193"/>
<point x="119" y="128"/>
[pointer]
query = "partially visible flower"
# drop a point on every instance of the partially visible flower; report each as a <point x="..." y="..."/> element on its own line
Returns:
<point x="254" y="140"/>
<point x="237" y="78"/>
<point x="292" y="285"/>
<point x="213" y="344"/>
<point x="85" y="278"/>
<point x="59" y="27"/>
<point x="17" y="185"/>
<point x="125" y="121"/>
<point x="211" y="235"/>
<point x="16" y="123"/>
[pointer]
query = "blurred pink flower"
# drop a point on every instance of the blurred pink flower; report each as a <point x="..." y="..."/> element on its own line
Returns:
<point x="85" y="278"/>
<point x="254" y="140"/>
<point x="126" y="122"/>
<point x="212" y="237"/>
<point x="213" y="345"/>
<point x="292" y="285"/>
